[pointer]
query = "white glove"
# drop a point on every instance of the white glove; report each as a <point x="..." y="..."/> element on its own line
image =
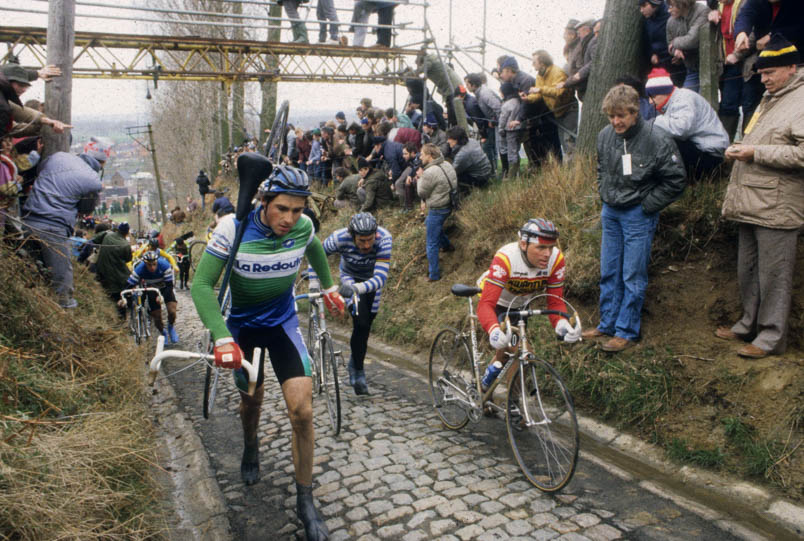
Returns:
<point x="569" y="333"/>
<point x="498" y="338"/>
<point x="359" y="287"/>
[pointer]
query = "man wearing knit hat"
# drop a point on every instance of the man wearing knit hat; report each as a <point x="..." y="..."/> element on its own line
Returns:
<point x="689" y="119"/>
<point x="766" y="197"/>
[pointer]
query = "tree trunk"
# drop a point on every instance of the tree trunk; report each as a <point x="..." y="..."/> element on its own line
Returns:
<point x="619" y="53"/>
<point x="269" y="90"/>
<point x="59" y="92"/>
<point x="238" y="89"/>
<point x="223" y="111"/>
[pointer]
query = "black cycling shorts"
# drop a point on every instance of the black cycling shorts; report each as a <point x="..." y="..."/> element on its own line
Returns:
<point x="285" y="347"/>
<point x="167" y="295"/>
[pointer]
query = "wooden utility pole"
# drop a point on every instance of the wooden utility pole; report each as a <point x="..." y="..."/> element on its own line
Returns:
<point x="618" y="53"/>
<point x="59" y="92"/>
<point x="708" y="63"/>
<point x="269" y="90"/>
<point x="152" y="148"/>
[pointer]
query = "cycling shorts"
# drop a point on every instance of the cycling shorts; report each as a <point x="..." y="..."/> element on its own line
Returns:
<point x="285" y="347"/>
<point x="167" y="295"/>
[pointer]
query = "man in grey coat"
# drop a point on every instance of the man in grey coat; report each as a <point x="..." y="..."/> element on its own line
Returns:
<point x="470" y="162"/>
<point x="65" y="183"/>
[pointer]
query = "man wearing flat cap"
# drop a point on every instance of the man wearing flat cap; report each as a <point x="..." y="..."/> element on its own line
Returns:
<point x="766" y="197"/>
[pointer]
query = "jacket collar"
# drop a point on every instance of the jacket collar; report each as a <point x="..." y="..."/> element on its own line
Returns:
<point x="435" y="162"/>
<point x="633" y="130"/>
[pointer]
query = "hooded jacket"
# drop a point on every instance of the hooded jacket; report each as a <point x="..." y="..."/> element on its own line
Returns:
<point x="471" y="161"/>
<point x="769" y="191"/>
<point x="683" y="33"/>
<point x="654" y="33"/>
<point x="657" y="173"/>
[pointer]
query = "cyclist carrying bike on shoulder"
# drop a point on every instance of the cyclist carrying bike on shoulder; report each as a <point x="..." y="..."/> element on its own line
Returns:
<point x="365" y="250"/>
<point x="263" y="315"/>
<point x="155" y="271"/>
<point x="517" y="272"/>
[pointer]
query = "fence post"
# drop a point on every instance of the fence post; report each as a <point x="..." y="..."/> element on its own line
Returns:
<point x="708" y="63"/>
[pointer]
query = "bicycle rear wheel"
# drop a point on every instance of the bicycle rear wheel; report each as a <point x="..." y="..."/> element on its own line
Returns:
<point x="542" y="427"/>
<point x="452" y="378"/>
<point x="329" y="382"/>
<point x="195" y="251"/>
<point x="314" y="348"/>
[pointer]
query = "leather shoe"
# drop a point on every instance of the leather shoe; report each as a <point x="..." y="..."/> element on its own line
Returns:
<point x="752" y="352"/>
<point x="433" y="279"/>
<point x="593" y="333"/>
<point x="616" y="344"/>
<point x="724" y="333"/>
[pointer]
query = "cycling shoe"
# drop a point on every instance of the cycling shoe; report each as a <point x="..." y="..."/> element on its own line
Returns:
<point x="360" y="385"/>
<point x="250" y="464"/>
<point x="352" y="371"/>
<point x="174" y="336"/>
<point x="314" y="527"/>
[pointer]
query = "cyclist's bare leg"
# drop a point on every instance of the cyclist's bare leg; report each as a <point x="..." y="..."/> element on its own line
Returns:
<point x="298" y="393"/>
<point x="171" y="310"/>
<point x="156" y="316"/>
<point x="250" y="407"/>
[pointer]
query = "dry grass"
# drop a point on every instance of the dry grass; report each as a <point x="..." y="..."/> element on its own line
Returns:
<point x="76" y="449"/>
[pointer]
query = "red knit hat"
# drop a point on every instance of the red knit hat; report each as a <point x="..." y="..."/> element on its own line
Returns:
<point x="659" y="82"/>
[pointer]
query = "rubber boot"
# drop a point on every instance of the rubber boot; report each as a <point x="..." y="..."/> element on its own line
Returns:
<point x="314" y="527"/>
<point x="299" y="32"/>
<point x="513" y="169"/>
<point x="730" y="124"/>
<point x="250" y="407"/>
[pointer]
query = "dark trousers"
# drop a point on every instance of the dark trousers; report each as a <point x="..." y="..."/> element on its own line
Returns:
<point x="361" y="328"/>
<point x="698" y="164"/>
<point x="385" y="15"/>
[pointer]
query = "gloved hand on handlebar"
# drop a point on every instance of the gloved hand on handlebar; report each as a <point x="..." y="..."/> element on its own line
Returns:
<point x="346" y="290"/>
<point x="569" y="333"/>
<point x="333" y="301"/>
<point x="227" y="353"/>
<point x="498" y="338"/>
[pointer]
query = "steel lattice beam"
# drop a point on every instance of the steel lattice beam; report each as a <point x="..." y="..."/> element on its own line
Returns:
<point x="189" y="58"/>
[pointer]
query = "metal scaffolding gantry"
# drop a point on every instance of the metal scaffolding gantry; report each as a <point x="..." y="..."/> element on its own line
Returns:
<point x="195" y="58"/>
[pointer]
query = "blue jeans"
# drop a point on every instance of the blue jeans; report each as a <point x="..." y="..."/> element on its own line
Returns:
<point x="624" y="257"/>
<point x="436" y="239"/>
<point x="692" y="81"/>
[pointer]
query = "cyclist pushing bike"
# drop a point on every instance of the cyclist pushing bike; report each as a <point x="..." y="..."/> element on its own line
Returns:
<point x="518" y="271"/>
<point x="155" y="271"/>
<point x="263" y="315"/>
<point x="153" y="246"/>
<point x="365" y="250"/>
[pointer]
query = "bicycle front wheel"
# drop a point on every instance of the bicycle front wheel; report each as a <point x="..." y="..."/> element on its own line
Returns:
<point x="314" y="349"/>
<point x="452" y="378"/>
<point x="542" y="427"/>
<point x="329" y="382"/>
<point x="210" y="385"/>
<point x="195" y="251"/>
<point x="141" y="324"/>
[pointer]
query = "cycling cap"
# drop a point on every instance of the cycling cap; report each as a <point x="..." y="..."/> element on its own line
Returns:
<point x="362" y="224"/>
<point x="150" y="256"/>
<point x="543" y="231"/>
<point x="285" y="179"/>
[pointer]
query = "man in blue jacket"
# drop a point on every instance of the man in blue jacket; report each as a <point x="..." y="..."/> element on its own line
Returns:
<point x="66" y="183"/>
<point x="766" y="17"/>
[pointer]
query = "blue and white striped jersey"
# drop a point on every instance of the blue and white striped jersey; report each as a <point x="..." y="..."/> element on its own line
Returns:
<point x="162" y="276"/>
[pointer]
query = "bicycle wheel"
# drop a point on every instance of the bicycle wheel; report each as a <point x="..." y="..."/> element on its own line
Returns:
<point x="329" y="382"/>
<point x="314" y="348"/>
<point x="542" y="427"/>
<point x="195" y="251"/>
<point x="132" y="323"/>
<point x="273" y="146"/>
<point x="452" y="378"/>
<point x="143" y="332"/>
<point x="210" y="384"/>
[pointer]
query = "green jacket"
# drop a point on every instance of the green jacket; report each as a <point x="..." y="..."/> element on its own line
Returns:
<point x="348" y="190"/>
<point x="114" y="252"/>
<point x="378" y="191"/>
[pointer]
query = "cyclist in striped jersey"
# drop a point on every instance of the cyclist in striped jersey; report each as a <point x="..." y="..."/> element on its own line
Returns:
<point x="365" y="250"/>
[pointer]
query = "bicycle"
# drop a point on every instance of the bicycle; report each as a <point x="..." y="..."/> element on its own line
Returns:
<point x="324" y="357"/>
<point x="139" y="319"/>
<point x="195" y="251"/>
<point x="539" y="411"/>
<point x="212" y="374"/>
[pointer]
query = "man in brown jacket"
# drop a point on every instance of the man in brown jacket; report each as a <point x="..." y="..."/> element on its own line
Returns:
<point x="766" y="196"/>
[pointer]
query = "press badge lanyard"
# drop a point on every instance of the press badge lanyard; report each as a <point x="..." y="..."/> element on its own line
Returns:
<point x="626" y="160"/>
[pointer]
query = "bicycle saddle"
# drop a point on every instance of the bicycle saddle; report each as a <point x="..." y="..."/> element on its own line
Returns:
<point x="460" y="290"/>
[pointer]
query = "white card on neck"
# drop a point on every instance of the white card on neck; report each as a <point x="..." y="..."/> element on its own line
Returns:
<point x="626" y="164"/>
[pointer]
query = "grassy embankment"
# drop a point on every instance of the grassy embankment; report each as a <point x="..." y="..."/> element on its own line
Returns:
<point x="76" y="446"/>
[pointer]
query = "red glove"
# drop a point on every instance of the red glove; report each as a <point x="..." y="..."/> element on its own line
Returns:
<point x="227" y="353"/>
<point x="333" y="301"/>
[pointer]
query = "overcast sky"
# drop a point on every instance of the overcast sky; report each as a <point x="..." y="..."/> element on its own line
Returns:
<point x="521" y="25"/>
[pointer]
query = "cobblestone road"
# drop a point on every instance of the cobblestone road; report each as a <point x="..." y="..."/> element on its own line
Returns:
<point x="395" y="473"/>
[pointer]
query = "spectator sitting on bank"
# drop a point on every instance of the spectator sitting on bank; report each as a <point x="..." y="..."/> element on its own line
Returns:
<point x="509" y="130"/>
<point x="192" y="205"/>
<point x="765" y="197"/>
<point x="468" y="159"/>
<point x="405" y="185"/>
<point x="346" y="192"/>
<point x="434" y="134"/>
<point x="222" y="204"/>
<point x="389" y="151"/>
<point x="177" y="215"/>
<point x="67" y="185"/>
<point x="375" y="187"/>
<point x="689" y="119"/>
<point x="114" y="252"/>
<point x="683" y="28"/>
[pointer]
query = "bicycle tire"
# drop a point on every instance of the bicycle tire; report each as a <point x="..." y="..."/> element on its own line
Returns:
<point x="546" y="449"/>
<point x="330" y="383"/>
<point x="314" y="348"/>
<point x="450" y="365"/>
<point x="195" y="251"/>
<point x="143" y="333"/>
<point x="277" y="127"/>
<point x="132" y="323"/>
